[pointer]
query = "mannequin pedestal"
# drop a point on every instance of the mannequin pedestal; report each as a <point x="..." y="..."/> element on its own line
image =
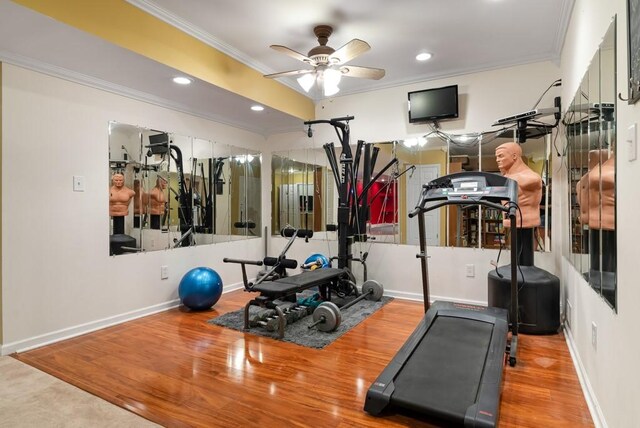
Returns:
<point x="538" y="293"/>
<point x="602" y="269"/>
<point x="118" y="224"/>
<point x="120" y="240"/>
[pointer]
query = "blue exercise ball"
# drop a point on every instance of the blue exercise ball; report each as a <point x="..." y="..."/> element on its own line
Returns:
<point x="317" y="261"/>
<point x="200" y="288"/>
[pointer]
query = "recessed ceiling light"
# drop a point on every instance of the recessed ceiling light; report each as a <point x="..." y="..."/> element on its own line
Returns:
<point x="423" y="56"/>
<point x="257" y="108"/>
<point x="181" y="80"/>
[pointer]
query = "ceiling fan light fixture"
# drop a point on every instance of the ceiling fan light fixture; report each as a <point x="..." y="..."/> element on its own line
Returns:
<point x="332" y="77"/>
<point x="306" y="81"/>
<point x="330" y="90"/>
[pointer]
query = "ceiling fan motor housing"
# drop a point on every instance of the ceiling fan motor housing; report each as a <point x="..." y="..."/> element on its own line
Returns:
<point x="320" y="54"/>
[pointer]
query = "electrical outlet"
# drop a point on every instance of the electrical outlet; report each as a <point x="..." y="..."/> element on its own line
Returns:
<point x="632" y="143"/>
<point x="594" y="335"/>
<point x="471" y="271"/>
<point x="164" y="272"/>
<point x="78" y="183"/>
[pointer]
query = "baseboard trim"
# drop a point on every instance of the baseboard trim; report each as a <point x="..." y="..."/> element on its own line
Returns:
<point x="71" y="332"/>
<point x="418" y="298"/>
<point x="592" y="401"/>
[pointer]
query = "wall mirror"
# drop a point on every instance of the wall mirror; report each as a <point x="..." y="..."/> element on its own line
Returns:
<point x="421" y="160"/>
<point x="245" y="193"/>
<point x="302" y="191"/>
<point x="590" y="128"/>
<point x="170" y="191"/>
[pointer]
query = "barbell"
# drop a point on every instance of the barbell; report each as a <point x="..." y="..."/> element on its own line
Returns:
<point x="328" y="316"/>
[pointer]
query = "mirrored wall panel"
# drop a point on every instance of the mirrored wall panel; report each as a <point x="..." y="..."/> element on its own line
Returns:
<point x="305" y="193"/>
<point x="590" y="127"/>
<point x="171" y="191"/>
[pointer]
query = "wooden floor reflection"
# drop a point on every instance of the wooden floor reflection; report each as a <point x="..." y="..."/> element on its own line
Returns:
<point x="176" y="370"/>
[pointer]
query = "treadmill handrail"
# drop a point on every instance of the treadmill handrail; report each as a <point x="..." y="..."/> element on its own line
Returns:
<point x="460" y="202"/>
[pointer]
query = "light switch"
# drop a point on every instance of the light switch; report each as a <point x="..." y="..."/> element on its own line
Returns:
<point x="78" y="183"/>
<point x="632" y="143"/>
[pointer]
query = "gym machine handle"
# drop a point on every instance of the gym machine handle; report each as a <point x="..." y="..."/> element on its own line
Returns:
<point x="243" y="262"/>
<point x="244" y="225"/>
<point x="285" y="263"/>
<point x="288" y="232"/>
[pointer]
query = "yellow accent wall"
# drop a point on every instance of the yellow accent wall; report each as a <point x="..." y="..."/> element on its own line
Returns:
<point x="127" y="26"/>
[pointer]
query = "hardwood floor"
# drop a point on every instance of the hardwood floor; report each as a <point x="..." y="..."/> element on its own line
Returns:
<point x="176" y="370"/>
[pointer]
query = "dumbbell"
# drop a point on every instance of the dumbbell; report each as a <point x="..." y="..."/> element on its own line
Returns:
<point x="271" y="324"/>
<point x="269" y="320"/>
<point x="260" y="315"/>
<point x="328" y="317"/>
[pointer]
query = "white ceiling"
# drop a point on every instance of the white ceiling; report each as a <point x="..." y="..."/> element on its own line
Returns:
<point x="464" y="36"/>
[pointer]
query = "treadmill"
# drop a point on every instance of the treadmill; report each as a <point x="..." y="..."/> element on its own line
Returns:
<point x="450" y="368"/>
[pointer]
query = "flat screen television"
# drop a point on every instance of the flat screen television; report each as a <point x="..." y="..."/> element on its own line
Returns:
<point x="434" y="104"/>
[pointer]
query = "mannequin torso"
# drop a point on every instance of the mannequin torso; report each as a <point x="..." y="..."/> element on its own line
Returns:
<point x="157" y="198"/>
<point x="602" y="196"/>
<point x="509" y="159"/>
<point x="119" y="196"/>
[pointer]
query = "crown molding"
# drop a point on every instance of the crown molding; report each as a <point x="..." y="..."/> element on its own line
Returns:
<point x="563" y="18"/>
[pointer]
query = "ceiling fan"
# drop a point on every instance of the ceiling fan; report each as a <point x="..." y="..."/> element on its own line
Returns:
<point x="328" y="63"/>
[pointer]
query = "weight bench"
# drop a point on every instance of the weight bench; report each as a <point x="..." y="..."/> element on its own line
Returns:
<point x="275" y="284"/>
<point x="286" y="288"/>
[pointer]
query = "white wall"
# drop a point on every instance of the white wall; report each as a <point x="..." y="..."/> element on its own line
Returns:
<point x="611" y="370"/>
<point x="58" y="279"/>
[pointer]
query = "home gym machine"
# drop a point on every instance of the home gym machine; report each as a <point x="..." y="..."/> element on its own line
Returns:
<point x="353" y="208"/>
<point x="451" y="366"/>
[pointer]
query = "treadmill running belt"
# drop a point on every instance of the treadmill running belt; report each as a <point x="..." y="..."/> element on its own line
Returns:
<point x="443" y="374"/>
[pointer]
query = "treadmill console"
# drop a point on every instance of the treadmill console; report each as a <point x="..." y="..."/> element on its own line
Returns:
<point x="469" y="188"/>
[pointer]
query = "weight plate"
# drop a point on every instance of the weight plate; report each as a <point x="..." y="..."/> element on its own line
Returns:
<point x="374" y="288"/>
<point x="331" y="315"/>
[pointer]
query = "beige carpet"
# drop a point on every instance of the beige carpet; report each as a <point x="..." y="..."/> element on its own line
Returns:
<point x="31" y="398"/>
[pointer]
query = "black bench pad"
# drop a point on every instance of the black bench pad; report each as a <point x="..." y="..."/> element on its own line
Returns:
<point x="300" y="282"/>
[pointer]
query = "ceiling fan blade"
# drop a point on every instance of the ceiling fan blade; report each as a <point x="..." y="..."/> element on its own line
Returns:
<point x="349" y="51"/>
<point x="293" y="54"/>
<point x="288" y="73"/>
<point x="364" y="72"/>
